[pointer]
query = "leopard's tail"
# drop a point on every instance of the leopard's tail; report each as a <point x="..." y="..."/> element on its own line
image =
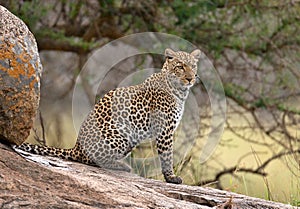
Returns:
<point x="74" y="154"/>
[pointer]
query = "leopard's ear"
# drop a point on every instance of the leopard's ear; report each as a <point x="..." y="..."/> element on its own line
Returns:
<point x="196" y="53"/>
<point x="169" y="53"/>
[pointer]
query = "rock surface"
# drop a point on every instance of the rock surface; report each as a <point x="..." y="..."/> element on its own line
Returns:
<point x="54" y="183"/>
<point x="20" y="72"/>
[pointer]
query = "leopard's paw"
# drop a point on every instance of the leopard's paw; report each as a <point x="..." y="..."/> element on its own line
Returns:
<point x="173" y="179"/>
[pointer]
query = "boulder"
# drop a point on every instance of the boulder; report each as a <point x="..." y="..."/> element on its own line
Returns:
<point x="49" y="182"/>
<point x="20" y="73"/>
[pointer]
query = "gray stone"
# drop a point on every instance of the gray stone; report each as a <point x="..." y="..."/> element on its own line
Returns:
<point x="20" y="73"/>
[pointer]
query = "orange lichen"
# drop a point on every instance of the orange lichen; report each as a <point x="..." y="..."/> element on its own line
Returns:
<point x="19" y="77"/>
<point x="19" y="64"/>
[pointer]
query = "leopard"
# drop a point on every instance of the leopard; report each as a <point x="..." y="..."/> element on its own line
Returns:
<point x="126" y="116"/>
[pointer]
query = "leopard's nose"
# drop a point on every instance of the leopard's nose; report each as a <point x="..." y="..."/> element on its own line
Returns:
<point x="189" y="79"/>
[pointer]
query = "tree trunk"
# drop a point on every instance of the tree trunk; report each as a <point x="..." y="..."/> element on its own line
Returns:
<point x="54" y="183"/>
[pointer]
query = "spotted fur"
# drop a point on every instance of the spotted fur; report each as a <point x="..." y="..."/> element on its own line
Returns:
<point x="126" y="116"/>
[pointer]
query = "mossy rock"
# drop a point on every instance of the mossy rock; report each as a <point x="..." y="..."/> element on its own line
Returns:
<point x="20" y="72"/>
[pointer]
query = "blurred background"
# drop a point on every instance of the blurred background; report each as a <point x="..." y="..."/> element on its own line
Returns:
<point x="254" y="46"/>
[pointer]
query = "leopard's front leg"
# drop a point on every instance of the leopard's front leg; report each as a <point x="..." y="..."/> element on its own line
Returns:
<point x="165" y="150"/>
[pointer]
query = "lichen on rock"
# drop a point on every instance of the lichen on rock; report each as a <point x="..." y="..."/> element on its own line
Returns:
<point x="20" y="72"/>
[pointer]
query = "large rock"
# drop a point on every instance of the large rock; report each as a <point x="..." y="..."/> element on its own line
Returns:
<point x="55" y="183"/>
<point x="20" y="72"/>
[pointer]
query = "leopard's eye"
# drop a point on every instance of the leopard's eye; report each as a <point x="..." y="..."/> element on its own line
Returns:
<point x="180" y="67"/>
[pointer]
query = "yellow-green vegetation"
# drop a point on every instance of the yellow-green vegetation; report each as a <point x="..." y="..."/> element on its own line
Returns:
<point x="280" y="184"/>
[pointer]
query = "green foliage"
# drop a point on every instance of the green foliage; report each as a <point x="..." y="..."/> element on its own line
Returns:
<point x="261" y="103"/>
<point x="75" y="9"/>
<point x="30" y="12"/>
<point x="235" y="92"/>
<point x="107" y="6"/>
<point x="60" y="36"/>
<point x="184" y="10"/>
<point x="286" y="108"/>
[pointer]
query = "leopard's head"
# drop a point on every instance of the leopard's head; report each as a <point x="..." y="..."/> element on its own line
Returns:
<point x="181" y="67"/>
